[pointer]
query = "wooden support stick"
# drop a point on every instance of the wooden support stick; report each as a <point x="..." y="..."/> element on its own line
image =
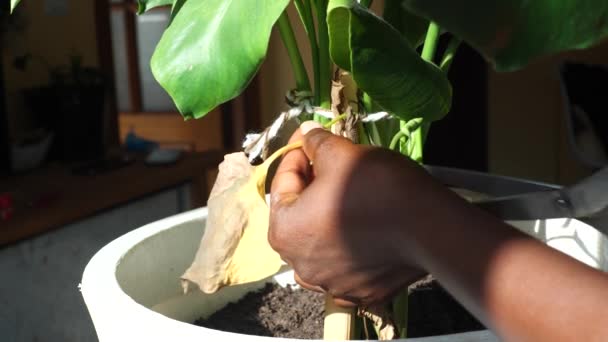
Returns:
<point x="339" y="322"/>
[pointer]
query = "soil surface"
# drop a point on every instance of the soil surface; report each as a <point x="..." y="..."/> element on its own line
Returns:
<point x="273" y="311"/>
<point x="297" y="313"/>
<point x="433" y="311"/>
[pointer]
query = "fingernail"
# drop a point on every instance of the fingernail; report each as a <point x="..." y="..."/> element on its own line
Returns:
<point x="308" y="126"/>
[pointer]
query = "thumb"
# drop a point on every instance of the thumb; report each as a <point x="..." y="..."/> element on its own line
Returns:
<point x="322" y="147"/>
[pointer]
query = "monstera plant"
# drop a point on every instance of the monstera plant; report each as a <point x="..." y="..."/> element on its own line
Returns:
<point x="377" y="78"/>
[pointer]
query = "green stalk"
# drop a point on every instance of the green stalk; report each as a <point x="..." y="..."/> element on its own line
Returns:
<point x="366" y="3"/>
<point x="367" y="103"/>
<point x="396" y="139"/>
<point x="448" y="56"/>
<point x="362" y="132"/>
<point x="325" y="73"/>
<point x="374" y="133"/>
<point x="428" y="54"/>
<point x="401" y="312"/>
<point x="289" y="40"/>
<point x="305" y="10"/>
<point x="418" y="138"/>
<point x="334" y="120"/>
<point x="430" y="43"/>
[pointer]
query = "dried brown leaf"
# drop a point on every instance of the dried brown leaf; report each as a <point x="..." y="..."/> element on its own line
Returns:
<point x="234" y="249"/>
<point x="381" y="319"/>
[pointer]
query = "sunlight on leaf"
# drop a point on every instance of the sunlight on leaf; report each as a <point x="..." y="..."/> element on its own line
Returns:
<point x="384" y="64"/>
<point x="212" y="50"/>
<point x="14" y="4"/>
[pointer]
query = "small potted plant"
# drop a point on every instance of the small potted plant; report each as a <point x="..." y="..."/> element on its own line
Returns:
<point x="377" y="79"/>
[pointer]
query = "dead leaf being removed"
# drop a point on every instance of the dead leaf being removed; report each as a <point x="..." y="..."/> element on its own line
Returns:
<point x="234" y="249"/>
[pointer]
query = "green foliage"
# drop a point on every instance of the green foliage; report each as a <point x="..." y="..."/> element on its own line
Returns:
<point x="384" y="65"/>
<point x="411" y="26"/>
<point x="145" y="5"/>
<point x="212" y="50"/>
<point x="511" y="33"/>
<point x="14" y="4"/>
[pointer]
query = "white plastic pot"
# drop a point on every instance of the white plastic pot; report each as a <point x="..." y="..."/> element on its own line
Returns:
<point x="132" y="291"/>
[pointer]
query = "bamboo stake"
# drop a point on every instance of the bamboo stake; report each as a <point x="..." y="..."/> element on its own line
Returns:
<point x="339" y="321"/>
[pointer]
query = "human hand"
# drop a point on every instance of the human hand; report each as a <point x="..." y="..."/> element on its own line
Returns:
<point x="347" y="224"/>
<point x="363" y="222"/>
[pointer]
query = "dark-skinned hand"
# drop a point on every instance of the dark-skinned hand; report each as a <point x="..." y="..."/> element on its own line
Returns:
<point x="360" y="223"/>
<point x="340" y="223"/>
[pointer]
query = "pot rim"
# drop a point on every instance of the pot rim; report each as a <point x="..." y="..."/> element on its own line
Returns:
<point x="97" y="287"/>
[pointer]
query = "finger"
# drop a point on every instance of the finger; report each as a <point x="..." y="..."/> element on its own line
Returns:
<point x="291" y="176"/>
<point x="290" y="179"/>
<point x="322" y="147"/>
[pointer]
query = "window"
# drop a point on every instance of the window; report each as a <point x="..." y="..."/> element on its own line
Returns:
<point x="134" y="38"/>
<point x="143" y="105"/>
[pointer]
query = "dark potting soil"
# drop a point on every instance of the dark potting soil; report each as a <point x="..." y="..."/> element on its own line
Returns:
<point x="273" y="311"/>
<point x="297" y="313"/>
<point x="432" y="311"/>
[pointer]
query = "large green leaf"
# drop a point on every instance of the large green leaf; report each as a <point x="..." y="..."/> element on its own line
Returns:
<point x="14" y="4"/>
<point x="212" y="50"/>
<point x="411" y="26"/>
<point x="511" y="33"/>
<point x="384" y="65"/>
<point x="145" y="5"/>
<point x="177" y="6"/>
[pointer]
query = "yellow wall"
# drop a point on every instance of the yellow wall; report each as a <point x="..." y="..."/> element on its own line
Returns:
<point x="54" y="38"/>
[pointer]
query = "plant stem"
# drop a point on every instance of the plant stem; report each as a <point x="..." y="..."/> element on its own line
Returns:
<point x="396" y="139"/>
<point x="334" y="120"/>
<point x="366" y="3"/>
<point x="428" y="54"/>
<point x="305" y="10"/>
<point x="289" y="39"/>
<point x="417" y="139"/>
<point x="374" y="132"/>
<point x="448" y="55"/>
<point x="430" y="43"/>
<point x="278" y="153"/>
<point x="362" y="132"/>
<point x="367" y="103"/>
<point x="401" y="313"/>
<point x="324" y="59"/>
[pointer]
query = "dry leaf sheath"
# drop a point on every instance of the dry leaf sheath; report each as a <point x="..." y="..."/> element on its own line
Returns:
<point x="234" y="248"/>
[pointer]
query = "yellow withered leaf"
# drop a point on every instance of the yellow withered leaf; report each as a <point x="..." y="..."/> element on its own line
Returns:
<point x="234" y="248"/>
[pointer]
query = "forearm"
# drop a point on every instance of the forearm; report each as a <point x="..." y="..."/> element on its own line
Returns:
<point x="518" y="286"/>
